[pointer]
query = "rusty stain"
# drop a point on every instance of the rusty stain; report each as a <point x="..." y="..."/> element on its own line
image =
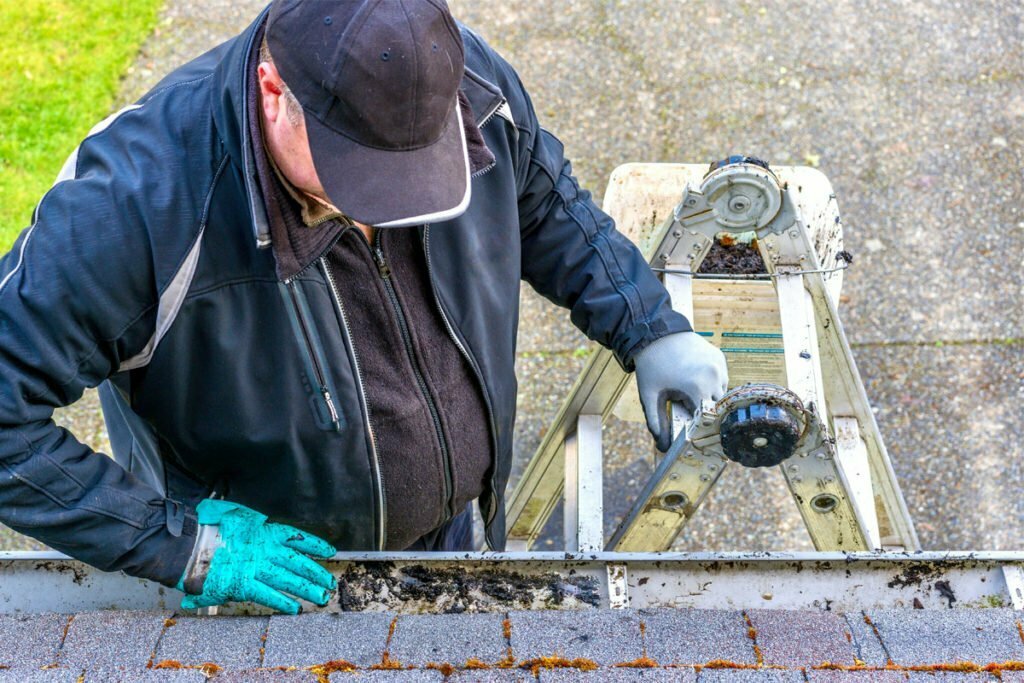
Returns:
<point x="726" y="664"/>
<point x="557" y="662"/>
<point x="445" y="668"/>
<point x="644" y="662"/>
<point x="752" y="634"/>
<point x="170" y="622"/>
<point x="476" y="664"/>
<point x="388" y="664"/>
<point x="324" y="671"/>
<point x="1020" y="631"/>
<point x="166" y="664"/>
<point x="209" y="669"/>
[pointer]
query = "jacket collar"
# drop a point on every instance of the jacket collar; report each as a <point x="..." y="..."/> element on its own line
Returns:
<point x="231" y="116"/>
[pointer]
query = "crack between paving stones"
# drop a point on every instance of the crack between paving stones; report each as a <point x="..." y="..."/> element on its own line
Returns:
<point x="878" y="636"/>
<point x="63" y="639"/>
<point x="263" y="643"/>
<point x="858" y="649"/>
<point x="168" y="623"/>
<point x="752" y="635"/>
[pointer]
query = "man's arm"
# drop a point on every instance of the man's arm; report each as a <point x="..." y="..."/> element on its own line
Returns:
<point x="572" y="253"/>
<point x="77" y="298"/>
<point x="574" y="256"/>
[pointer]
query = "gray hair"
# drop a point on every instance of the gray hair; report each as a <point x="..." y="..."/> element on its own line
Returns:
<point x="293" y="110"/>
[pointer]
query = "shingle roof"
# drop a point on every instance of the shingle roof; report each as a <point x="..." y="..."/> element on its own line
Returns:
<point x="588" y="645"/>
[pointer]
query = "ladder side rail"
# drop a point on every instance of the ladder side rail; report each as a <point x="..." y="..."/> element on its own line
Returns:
<point x="816" y="481"/>
<point x="847" y="397"/>
<point x="584" y="507"/>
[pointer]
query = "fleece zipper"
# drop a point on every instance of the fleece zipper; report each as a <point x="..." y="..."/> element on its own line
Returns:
<point x="385" y="274"/>
<point x="472" y="363"/>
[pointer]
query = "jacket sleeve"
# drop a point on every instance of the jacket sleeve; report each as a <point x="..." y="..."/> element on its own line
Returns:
<point x="574" y="256"/>
<point x="78" y="296"/>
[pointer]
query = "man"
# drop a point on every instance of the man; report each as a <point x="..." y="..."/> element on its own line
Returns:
<point x="293" y="267"/>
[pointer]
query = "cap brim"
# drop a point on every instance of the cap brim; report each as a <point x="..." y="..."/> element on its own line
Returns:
<point x="392" y="189"/>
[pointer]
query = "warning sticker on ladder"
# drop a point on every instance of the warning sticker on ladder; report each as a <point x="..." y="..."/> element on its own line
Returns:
<point x="754" y="357"/>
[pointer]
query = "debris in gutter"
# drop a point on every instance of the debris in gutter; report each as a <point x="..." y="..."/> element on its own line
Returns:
<point x="455" y="590"/>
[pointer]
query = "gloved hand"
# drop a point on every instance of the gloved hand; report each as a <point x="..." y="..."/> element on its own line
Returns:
<point x="240" y="557"/>
<point x="682" y="367"/>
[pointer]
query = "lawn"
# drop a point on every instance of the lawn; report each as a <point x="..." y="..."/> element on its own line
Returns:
<point x="63" y="61"/>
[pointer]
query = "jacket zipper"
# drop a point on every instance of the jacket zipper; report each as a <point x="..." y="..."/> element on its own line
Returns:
<point x="385" y="274"/>
<point x="381" y="503"/>
<point x="472" y="364"/>
<point x="314" y="358"/>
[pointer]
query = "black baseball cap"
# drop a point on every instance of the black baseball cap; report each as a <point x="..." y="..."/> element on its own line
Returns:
<point x="378" y="82"/>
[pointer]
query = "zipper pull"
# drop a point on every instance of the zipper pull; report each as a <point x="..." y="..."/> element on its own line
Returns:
<point x="382" y="265"/>
<point x="330" y="405"/>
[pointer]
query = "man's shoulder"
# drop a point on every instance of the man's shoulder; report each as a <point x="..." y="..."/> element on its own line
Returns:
<point x="487" y="63"/>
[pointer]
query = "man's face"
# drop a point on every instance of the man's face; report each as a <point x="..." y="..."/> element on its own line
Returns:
<point x="285" y="131"/>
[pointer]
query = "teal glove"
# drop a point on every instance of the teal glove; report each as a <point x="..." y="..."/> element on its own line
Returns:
<point x="256" y="561"/>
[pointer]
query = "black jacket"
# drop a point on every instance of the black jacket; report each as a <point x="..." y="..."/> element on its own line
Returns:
<point x="147" y="264"/>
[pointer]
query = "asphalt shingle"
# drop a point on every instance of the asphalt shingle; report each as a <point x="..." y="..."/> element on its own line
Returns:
<point x="676" y="636"/>
<point x="30" y="641"/>
<point x="112" y="640"/>
<point x="605" y="636"/>
<point x="311" y="639"/>
<point x="802" y="638"/>
<point x="448" y="638"/>
<point x="914" y="637"/>
<point x="229" y="642"/>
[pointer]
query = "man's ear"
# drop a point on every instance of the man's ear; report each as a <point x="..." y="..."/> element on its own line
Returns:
<point x="271" y="91"/>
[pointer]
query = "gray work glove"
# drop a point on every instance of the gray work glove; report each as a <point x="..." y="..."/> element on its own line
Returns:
<point x="681" y="367"/>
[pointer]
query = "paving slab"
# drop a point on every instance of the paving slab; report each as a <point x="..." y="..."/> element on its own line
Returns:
<point x="619" y="675"/>
<point x="448" y="639"/>
<point x="112" y="640"/>
<point x="867" y="648"/>
<point x="492" y="676"/>
<point x="605" y="636"/>
<point x="921" y="637"/>
<point x="311" y="639"/>
<point x="31" y="641"/>
<point x="21" y="674"/>
<point x="397" y="676"/>
<point x="229" y="642"/>
<point x="266" y="676"/>
<point x="833" y="676"/>
<point x="690" y="636"/>
<point x="750" y="676"/>
<point x="102" y="675"/>
<point x="802" y="638"/>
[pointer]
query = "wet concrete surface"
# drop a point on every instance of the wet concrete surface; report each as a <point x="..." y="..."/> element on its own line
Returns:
<point x="915" y="111"/>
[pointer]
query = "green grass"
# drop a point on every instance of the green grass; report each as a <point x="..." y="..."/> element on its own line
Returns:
<point x="63" y="61"/>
